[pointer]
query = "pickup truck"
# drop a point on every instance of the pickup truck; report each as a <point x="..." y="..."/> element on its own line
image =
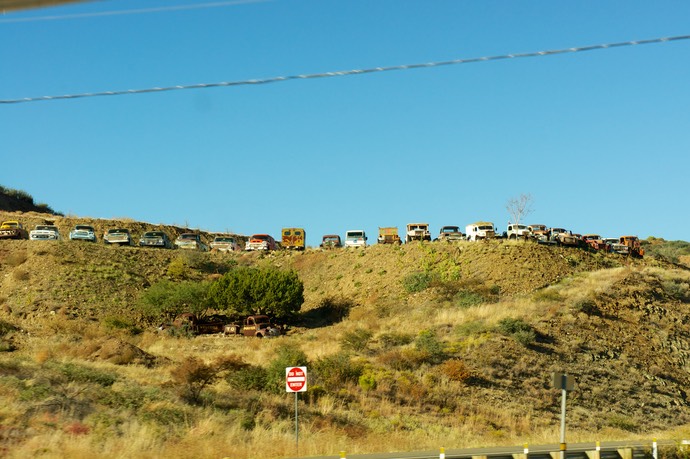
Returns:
<point x="518" y="231"/>
<point x="83" y="233"/>
<point x="45" y="233"/>
<point x="561" y="236"/>
<point x="12" y="229"/>
<point x="261" y="242"/>
<point x="119" y="236"/>
<point x="224" y="244"/>
<point x="191" y="241"/>
<point x="417" y="232"/>
<point x="388" y="235"/>
<point x="331" y="241"/>
<point x="355" y="238"/>
<point x="259" y="326"/>
<point x="450" y="234"/>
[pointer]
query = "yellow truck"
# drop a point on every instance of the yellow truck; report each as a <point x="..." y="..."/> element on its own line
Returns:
<point x="388" y="235"/>
<point x="293" y="238"/>
<point x="12" y="229"/>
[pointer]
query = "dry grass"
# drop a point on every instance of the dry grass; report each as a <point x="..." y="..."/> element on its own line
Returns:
<point x="481" y="388"/>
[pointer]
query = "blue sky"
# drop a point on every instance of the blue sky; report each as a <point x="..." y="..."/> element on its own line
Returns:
<point x="599" y="139"/>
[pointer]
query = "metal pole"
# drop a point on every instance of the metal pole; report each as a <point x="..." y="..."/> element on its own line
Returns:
<point x="296" y="426"/>
<point x="563" y="396"/>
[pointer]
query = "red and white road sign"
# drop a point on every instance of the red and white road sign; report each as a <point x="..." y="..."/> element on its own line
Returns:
<point x="296" y="379"/>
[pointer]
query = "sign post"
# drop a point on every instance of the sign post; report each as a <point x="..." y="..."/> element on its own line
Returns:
<point x="565" y="383"/>
<point x="296" y="381"/>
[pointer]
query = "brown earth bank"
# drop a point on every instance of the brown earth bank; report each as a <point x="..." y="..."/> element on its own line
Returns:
<point x="406" y="345"/>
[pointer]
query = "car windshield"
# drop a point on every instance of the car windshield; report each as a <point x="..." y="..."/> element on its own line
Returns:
<point x="83" y="228"/>
<point x="261" y="237"/>
<point x="46" y="228"/>
<point x="153" y="234"/>
<point x="450" y="229"/>
<point x="486" y="227"/>
<point x="188" y="236"/>
<point x="354" y="234"/>
<point x="118" y="230"/>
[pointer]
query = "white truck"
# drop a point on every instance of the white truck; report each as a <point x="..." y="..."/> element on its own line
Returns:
<point x="480" y="230"/>
<point x="417" y="232"/>
<point x="355" y="238"/>
<point x="518" y="231"/>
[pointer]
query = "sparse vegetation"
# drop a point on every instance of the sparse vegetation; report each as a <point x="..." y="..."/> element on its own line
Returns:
<point x="414" y="348"/>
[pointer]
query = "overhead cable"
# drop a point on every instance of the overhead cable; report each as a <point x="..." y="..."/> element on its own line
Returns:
<point x="348" y="72"/>
<point x="134" y="11"/>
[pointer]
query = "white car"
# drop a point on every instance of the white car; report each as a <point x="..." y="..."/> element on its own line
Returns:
<point x="190" y="241"/>
<point x="224" y="244"/>
<point x="83" y="233"/>
<point x="45" y="233"/>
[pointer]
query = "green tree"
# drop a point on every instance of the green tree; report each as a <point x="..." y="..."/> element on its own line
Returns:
<point x="165" y="300"/>
<point x="267" y="290"/>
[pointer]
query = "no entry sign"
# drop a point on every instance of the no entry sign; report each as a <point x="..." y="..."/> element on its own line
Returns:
<point x="296" y="379"/>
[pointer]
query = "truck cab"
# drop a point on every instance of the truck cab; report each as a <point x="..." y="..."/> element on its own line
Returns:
<point x="480" y="230"/>
<point x="417" y="232"/>
<point x="355" y="238"/>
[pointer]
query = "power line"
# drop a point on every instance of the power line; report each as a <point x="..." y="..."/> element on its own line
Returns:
<point x="349" y="72"/>
<point x="135" y="11"/>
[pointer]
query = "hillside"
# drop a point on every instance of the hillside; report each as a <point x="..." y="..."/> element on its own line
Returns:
<point x="409" y="347"/>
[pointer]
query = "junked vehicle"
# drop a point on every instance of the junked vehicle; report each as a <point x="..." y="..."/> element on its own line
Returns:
<point x="261" y="242"/>
<point x="12" y="229"/>
<point x="119" y="236"/>
<point x="259" y="326"/>
<point x="224" y="244"/>
<point x="518" y="231"/>
<point x="450" y="234"/>
<point x="83" y="233"/>
<point x="594" y="241"/>
<point x="331" y="241"/>
<point x="155" y="239"/>
<point x="479" y="231"/>
<point x="561" y="236"/>
<point x="634" y="246"/>
<point x="388" y="235"/>
<point x="45" y="233"/>
<point x="417" y="232"/>
<point x="539" y="232"/>
<point x="355" y="238"/>
<point x="293" y="238"/>
<point x="191" y="241"/>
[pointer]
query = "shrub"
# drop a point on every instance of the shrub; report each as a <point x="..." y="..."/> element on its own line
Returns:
<point x="356" y="340"/>
<point x="335" y="370"/>
<point x="248" y="378"/>
<point x="395" y="339"/>
<point x="192" y="376"/>
<point x="246" y="291"/>
<point x="165" y="300"/>
<point x="286" y="356"/>
<point x="455" y="370"/>
<point x="586" y="306"/>
<point x="84" y="374"/>
<point x="417" y="282"/>
<point x="518" y="329"/>
<point x="429" y="345"/>
<point x="466" y="299"/>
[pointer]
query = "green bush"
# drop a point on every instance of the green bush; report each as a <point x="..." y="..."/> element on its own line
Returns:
<point x="395" y="339"/>
<point x="356" y="340"/>
<point x="166" y="300"/>
<point x="246" y="291"/>
<point x="417" y="282"/>
<point x="518" y="329"/>
<point x="286" y="356"/>
<point x="249" y="378"/>
<point x="429" y="345"/>
<point x="84" y="374"/>
<point x="466" y="299"/>
<point x="333" y="371"/>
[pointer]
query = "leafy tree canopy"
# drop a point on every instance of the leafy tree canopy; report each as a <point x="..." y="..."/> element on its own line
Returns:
<point x="267" y="290"/>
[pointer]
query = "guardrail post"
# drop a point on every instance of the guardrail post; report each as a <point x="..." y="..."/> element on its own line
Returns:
<point x="655" y="449"/>
<point x="342" y="455"/>
<point x="442" y="454"/>
<point x="625" y="453"/>
<point x="596" y="454"/>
